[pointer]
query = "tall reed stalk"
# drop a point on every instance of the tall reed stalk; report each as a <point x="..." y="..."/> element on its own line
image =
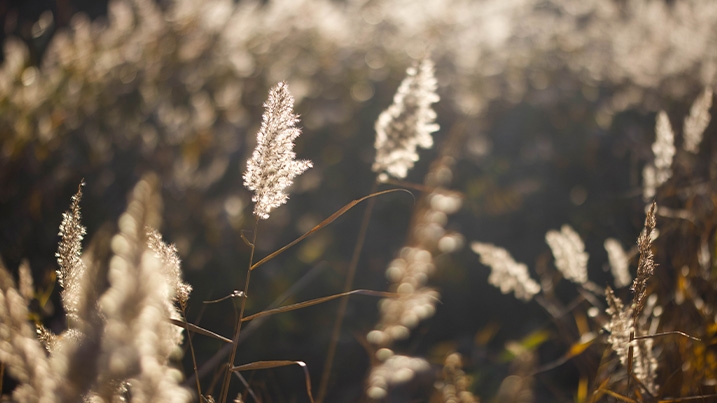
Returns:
<point x="242" y="306"/>
<point x="270" y="170"/>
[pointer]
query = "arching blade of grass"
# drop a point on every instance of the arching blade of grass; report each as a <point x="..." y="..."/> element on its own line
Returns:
<point x="200" y="330"/>
<point x="324" y="223"/>
<point x="316" y="301"/>
<point x="277" y="364"/>
<point x="415" y="186"/>
<point x="670" y="333"/>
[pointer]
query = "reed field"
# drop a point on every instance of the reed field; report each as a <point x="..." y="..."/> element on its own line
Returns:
<point x="360" y="200"/>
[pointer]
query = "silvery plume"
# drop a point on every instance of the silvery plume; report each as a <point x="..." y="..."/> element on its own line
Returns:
<point x="407" y="123"/>
<point x="272" y="167"/>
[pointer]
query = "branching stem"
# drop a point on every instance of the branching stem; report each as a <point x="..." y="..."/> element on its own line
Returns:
<point x="237" y="330"/>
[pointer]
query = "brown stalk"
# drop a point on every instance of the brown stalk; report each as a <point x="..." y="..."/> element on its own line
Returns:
<point x="237" y="331"/>
<point x="191" y="350"/>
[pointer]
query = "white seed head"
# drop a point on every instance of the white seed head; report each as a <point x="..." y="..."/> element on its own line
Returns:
<point x="272" y="167"/>
<point x="407" y="123"/>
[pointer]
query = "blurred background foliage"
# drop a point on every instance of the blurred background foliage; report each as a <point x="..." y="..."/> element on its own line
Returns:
<point x="555" y="101"/>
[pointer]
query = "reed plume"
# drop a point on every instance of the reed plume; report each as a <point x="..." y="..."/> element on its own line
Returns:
<point x="407" y="123"/>
<point x="569" y="252"/>
<point x="506" y="273"/>
<point x="71" y="268"/>
<point x="272" y="167"/>
<point x="698" y="120"/>
<point x="658" y="172"/>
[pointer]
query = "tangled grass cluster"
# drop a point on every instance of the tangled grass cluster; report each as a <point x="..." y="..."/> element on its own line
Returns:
<point x="160" y="100"/>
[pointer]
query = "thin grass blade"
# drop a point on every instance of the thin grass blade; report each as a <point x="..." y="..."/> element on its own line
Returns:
<point x="200" y="330"/>
<point x="324" y="223"/>
<point x="317" y="301"/>
<point x="277" y="364"/>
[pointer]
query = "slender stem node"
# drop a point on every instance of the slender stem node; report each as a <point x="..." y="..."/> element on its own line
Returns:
<point x="237" y="329"/>
<point x="191" y="350"/>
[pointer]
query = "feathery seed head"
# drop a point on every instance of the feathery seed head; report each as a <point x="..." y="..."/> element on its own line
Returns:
<point x="69" y="251"/>
<point x="663" y="147"/>
<point x="407" y="123"/>
<point x="698" y="120"/>
<point x="657" y="173"/>
<point x="506" y="273"/>
<point x="272" y="167"/>
<point x="72" y="232"/>
<point x="395" y="369"/>
<point x="619" y="262"/>
<point x="171" y="268"/>
<point x="569" y="252"/>
<point x="620" y="325"/>
<point x="646" y="264"/>
<point x="621" y="336"/>
<point x="20" y="351"/>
